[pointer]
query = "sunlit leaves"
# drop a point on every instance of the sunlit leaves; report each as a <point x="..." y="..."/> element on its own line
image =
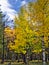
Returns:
<point x="9" y="32"/>
<point x="31" y="24"/>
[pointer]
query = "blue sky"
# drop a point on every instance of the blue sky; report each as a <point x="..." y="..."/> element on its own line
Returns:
<point x="12" y="7"/>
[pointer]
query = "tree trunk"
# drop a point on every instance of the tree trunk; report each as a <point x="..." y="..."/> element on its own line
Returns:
<point x="13" y="56"/>
<point x="27" y="59"/>
<point x="24" y="58"/>
<point x="18" y="58"/>
<point x="43" y="57"/>
<point x="47" y="57"/>
<point x="43" y="48"/>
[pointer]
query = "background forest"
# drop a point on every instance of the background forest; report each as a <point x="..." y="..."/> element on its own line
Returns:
<point x="29" y="38"/>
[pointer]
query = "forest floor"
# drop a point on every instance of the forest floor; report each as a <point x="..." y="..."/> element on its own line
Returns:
<point x="21" y="63"/>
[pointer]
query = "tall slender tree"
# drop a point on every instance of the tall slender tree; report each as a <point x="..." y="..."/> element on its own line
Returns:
<point x="1" y="36"/>
<point x="2" y="24"/>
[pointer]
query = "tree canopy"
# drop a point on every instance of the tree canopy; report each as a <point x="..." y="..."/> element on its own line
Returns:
<point x="31" y="24"/>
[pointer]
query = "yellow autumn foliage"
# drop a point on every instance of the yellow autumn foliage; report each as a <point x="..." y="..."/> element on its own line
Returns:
<point x="31" y="24"/>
